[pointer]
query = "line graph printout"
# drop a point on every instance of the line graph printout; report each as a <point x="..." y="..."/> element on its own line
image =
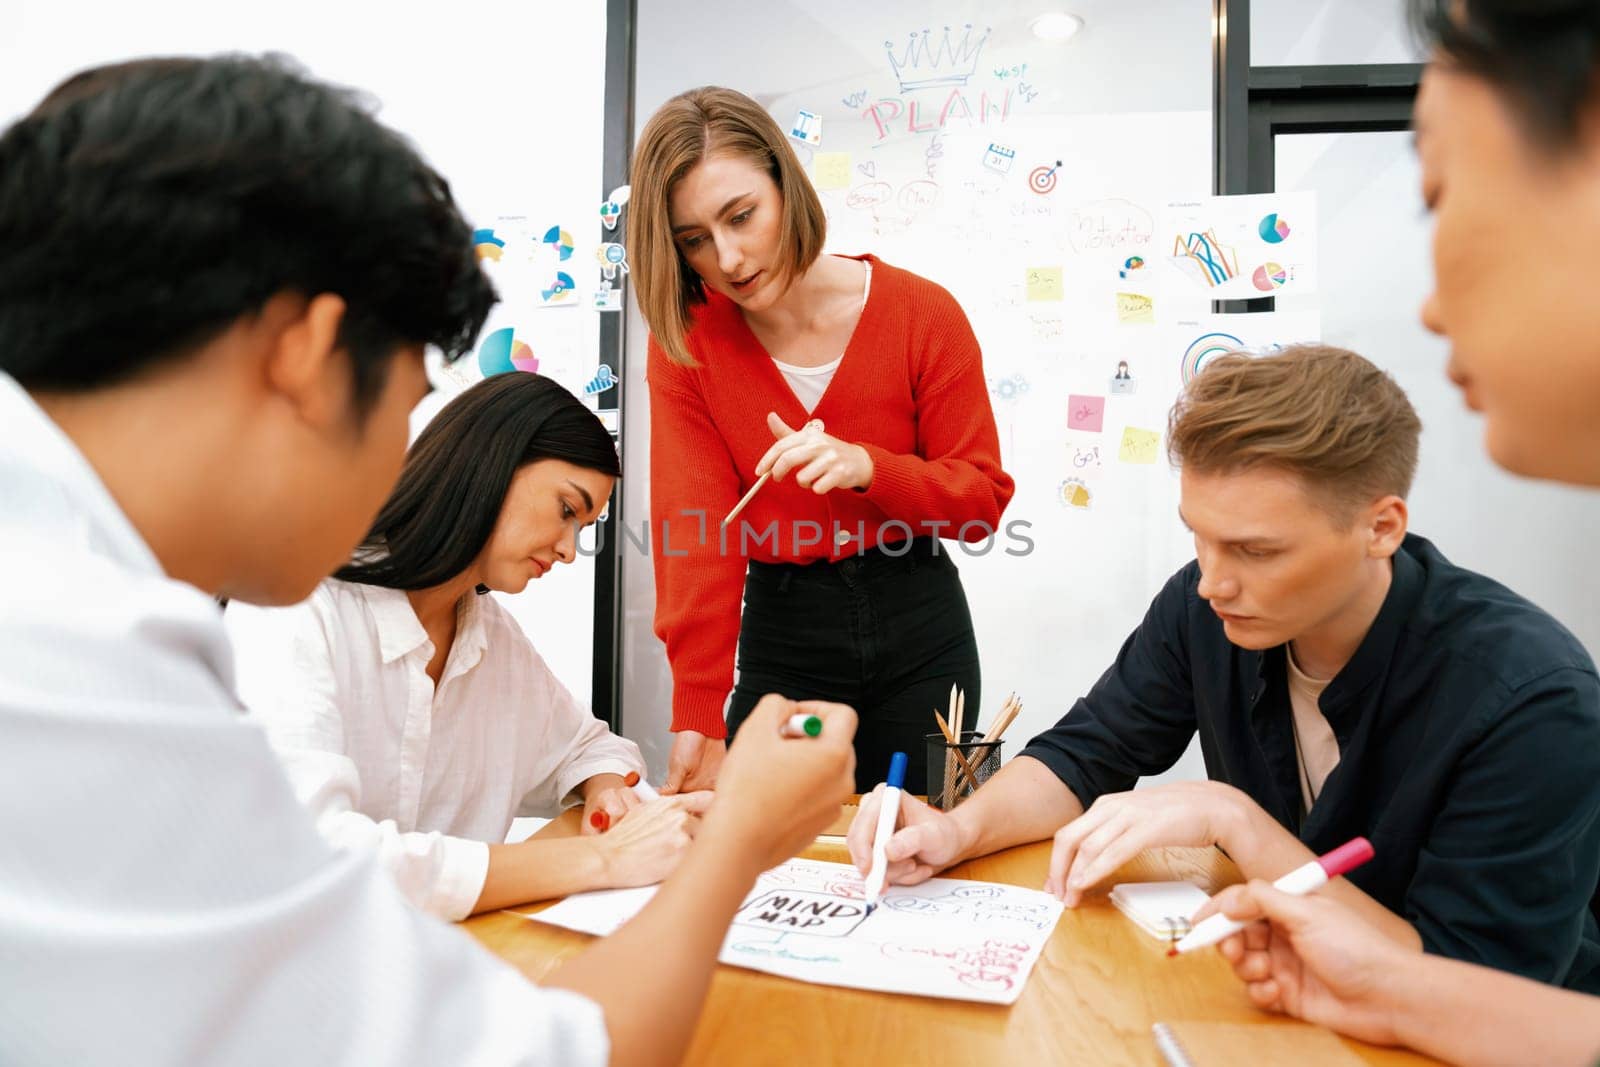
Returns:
<point x="806" y="920"/>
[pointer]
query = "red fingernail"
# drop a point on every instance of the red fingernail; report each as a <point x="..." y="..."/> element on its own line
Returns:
<point x="1173" y="951"/>
<point x="631" y="780"/>
<point x="600" y="821"/>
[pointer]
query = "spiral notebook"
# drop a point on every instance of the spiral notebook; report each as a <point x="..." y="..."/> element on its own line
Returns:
<point x="1208" y="1044"/>
<point x="1161" y="909"/>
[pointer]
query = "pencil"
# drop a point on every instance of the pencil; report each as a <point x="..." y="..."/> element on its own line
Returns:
<point x="754" y="489"/>
<point x="814" y="424"/>
<point x="949" y="736"/>
<point x="1002" y="721"/>
<point x="947" y="794"/>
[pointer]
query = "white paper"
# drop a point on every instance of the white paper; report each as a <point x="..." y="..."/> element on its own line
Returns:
<point x="806" y="920"/>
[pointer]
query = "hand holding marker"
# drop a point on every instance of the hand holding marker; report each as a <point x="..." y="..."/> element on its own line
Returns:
<point x="888" y="815"/>
<point x="641" y="789"/>
<point x="799" y="725"/>
<point x="1297" y="883"/>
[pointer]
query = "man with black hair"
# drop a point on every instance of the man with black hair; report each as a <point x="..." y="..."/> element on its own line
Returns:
<point x="217" y="279"/>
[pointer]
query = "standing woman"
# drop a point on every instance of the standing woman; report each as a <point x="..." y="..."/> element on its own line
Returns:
<point x="756" y="337"/>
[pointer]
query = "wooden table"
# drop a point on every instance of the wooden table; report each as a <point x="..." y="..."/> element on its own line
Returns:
<point x="1091" y="999"/>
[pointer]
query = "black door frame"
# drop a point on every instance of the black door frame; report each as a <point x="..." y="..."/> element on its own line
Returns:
<point x="1252" y="105"/>
<point x="616" y="151"/>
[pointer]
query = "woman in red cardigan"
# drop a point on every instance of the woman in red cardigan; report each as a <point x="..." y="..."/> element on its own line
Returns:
<point x="859" y="388"/>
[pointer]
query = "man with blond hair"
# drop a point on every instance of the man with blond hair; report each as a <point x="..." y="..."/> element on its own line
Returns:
<point x="1344" y="678"/>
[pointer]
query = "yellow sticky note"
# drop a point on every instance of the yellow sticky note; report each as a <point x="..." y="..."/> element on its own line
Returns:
<point x="1136" y="308"/>
<point x="1044" y="283"/>
<point x="1138" y="446"/>
<point x="831" y="170"/>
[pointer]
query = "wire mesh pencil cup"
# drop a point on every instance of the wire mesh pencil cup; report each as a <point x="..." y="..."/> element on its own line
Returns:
<point x="956" y="769"/>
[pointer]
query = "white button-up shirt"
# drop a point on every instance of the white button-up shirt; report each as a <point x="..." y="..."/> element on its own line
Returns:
<point x="164" y="899"/>
<point x="387" y="763"/>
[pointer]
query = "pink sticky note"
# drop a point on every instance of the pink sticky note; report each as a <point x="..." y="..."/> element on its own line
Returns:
<point x="1085" y="412"/>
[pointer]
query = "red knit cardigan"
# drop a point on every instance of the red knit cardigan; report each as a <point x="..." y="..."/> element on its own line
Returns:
<point x="910" y="390"/>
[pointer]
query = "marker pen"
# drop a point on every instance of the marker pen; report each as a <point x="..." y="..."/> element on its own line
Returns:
<point x="802" y="725"/>
<point x="1297" y="883"/>
<point x="641" y="788"/>
<point x="888" y="814"/>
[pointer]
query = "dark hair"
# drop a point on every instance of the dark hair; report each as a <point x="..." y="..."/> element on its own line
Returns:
<point x="458" y="472"/>
<point x="146" y="206"/>
<point x="1543" y="55"/>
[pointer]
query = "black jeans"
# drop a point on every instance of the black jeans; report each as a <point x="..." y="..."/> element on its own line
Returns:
<point x="886" y="634"/>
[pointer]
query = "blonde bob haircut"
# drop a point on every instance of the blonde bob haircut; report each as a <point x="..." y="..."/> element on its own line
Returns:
<point x="687" y="129"/>
<point x="1324" y="414"/>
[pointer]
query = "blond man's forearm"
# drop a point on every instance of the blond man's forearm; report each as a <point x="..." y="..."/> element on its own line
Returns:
<point x="1025" y="802"/>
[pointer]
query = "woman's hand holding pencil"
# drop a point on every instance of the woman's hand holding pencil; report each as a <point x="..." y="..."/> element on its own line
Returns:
<point x="820" y="462"/>
<point x="764" y="467"/>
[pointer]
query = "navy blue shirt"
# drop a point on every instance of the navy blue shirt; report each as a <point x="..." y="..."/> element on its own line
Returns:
<point x="1468" y="724"/>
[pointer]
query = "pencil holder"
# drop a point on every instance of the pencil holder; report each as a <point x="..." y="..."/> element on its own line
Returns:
<point x="956" y="768"/>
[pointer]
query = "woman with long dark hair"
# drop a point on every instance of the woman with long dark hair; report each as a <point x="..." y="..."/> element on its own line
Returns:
<point x="414" y="717"/>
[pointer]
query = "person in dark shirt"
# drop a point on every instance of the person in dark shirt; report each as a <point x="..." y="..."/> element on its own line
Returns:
<point x="1507" y="114"/>
<point x="1344" y="679"/>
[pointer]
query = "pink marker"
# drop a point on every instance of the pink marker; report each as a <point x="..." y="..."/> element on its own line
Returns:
<point x="1297" y="883"/>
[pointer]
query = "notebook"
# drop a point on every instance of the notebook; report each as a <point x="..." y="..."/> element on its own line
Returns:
<point x="1205" y="1044"/>
<point x="1161" y="909"/>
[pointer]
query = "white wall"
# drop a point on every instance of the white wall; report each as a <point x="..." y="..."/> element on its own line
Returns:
<point x="504" y="98"/>
<point x="1317" y="32"/>
<point x="1376" y="269"/>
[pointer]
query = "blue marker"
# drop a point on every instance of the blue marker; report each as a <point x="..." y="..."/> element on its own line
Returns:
<point x="888" y="815"/>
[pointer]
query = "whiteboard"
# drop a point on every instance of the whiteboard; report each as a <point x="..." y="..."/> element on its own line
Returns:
<point x="1038" y="275"/>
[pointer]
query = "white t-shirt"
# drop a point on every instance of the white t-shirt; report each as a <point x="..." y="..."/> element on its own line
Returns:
<point x="809" y="383"/>
<point x="164" y="899"/>
<point x="388" y="764"/>
<point x="1316" y="747"/>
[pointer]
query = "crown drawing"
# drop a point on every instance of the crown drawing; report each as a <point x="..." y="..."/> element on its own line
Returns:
<point x="927" y="61"/>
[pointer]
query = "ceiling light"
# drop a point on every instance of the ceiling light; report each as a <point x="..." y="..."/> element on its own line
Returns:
<point x="1056" y="26"/>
